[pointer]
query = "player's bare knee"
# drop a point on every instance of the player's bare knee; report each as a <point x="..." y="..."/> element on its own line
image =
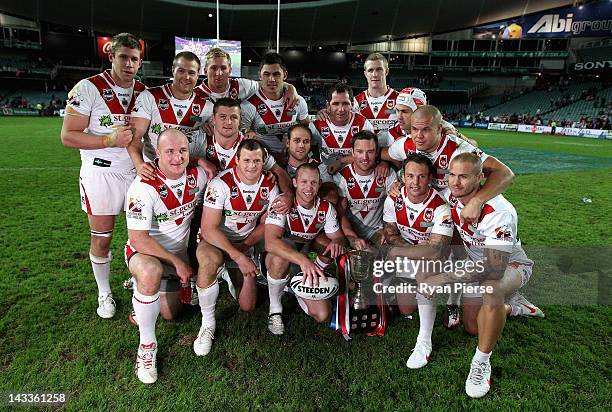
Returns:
<point x="277" y="267"/>
<point x="100" y="246"/>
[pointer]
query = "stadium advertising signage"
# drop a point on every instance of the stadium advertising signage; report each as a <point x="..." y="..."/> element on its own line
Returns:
<point x="602" y="65"/>
<point x="104" y="45"/>
<point x="588" y="20"/>
<point x="503" y="126"/>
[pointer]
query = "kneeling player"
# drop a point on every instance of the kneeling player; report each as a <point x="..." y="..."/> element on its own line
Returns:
<point x="289" y="235"/>
<point x="500" y="264"/>
<point x="234" y="202"/>
<point x="158" y="213"/>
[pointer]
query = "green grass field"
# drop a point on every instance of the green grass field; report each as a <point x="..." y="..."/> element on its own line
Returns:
<point x="51" y="339"/>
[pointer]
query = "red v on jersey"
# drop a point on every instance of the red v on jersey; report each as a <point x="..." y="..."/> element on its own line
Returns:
<point x="354" y="189"/>
<point x="262" y="195"/>
<point x="297" y="225"/>
<point x="268" y="116"/>
<point x="431" y="203"/>
<point x="105" y="85"/>
<point x="163" y="99"/>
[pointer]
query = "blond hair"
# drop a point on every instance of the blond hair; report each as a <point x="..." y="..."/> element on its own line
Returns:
<point x="218" y="52"/>
<point x="470" y="158"/>
<point x="374" y="57"/>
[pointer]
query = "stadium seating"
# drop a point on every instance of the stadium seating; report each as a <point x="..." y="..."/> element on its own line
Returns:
<point x="583" y="108"/>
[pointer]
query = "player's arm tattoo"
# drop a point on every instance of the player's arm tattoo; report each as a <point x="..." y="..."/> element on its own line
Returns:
<point x="495" y="263"/>
<point x="392" y="235"/>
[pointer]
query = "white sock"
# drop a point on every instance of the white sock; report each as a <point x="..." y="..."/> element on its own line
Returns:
<point x="146" y="309"/>
<point x="427" y="317"/>
<point x="275" y="292"/>
<point x="481" y="356"/>
<point x="321" y="263"/>
<point x="208" y="302"/>
<point x="101" y="270"/>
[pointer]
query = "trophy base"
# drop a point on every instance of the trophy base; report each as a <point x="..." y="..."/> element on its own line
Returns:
<point x="364" y="320"/>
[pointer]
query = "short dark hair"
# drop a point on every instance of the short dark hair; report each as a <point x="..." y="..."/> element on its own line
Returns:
<point x="125" y="40"/>
<point x="299" y="126"/>
<point x="251" y="145"/>
<point x="364" y="135"/>
<point x="340" y="88"/>
<point x="273" y="58"/>
<point x="225" y="102"/>
<point x="307" y="166"/>
<point x="187" y="55"/>
<point x="421" y="159"/>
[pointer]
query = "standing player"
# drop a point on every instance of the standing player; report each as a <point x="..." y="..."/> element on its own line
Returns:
<point x="218" y="84"/>
<point x="312" y="223"/>
<point x="96" y="122"/>
<point x="174" y="105"/>
<point x="419" y="215"/>
<point x="298" y="148"/>
<point x="493" y="242"/>
<point x="234" y="202"/>
<point x="362" y="192"/>
<point x="158" y="215"/>
<point x="377" y="103"/>
<point x="266" y="113"/>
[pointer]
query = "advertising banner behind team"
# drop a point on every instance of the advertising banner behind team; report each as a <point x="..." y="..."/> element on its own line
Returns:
<point x="588" y="20"/>
<point x="104" y="46"/>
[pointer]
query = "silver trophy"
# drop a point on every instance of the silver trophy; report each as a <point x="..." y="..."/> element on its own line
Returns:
<point x="360" y="271"/>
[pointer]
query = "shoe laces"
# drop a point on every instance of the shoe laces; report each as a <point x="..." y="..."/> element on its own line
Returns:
<point x="147" y="356"/>
<point x="477" y="372"/>
<point x="206" y="334"/>
<point x="107" y="300"/>
<point x="276" y="320"/>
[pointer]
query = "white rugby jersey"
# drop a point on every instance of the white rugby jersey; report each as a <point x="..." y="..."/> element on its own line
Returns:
<point x="270" y="120"/>
<point x="164" y="111"/>
<point x="335" y="141"/>
<point x="242" y="204"/>
<point x="206" y="147"/>
<point x="417" y="222"/>
<point x="107" y="106"/>
<point x="365" y="197"/>
<point x="165" y="207"/>
<point x="449" y="147"/>
<point x="302" y="225"/>
<point x="237" y="89"/>
<point x="497" y="228"/>
<point x="380" y="111"/>
<point x="325" y="177"/>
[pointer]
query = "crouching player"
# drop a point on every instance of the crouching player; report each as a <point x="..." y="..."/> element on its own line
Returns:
<point x="234" y="202"/>
<point x="158" y="213"/>
<point x="500" y="264"/>
<point x="311" y="223"/>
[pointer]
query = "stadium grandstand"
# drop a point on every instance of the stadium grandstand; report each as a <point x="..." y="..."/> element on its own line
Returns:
<point x="491" y="118"/>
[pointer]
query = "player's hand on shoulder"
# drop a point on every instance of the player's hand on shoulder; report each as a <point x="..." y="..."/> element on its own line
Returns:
<point x="323" y="115"/>
<point x="146" y="171"/>
<point x="208" y="128"/>
<point x="471" y="212"/>
<point x="282" y="204"/>
<point x="209" y="168"/>
<point x="291" y="98"/>
<point x="334" y="166"/>
<point x="249" y="134"/>
<point x="382" y="170"/>
<point x="396" y="188"/>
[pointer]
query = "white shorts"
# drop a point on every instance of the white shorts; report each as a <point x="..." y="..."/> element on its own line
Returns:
<point x="170" y="282"/>
<point x="103" y="192"/>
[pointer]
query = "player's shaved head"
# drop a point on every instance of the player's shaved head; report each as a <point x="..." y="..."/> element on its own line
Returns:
<point x="307" y="166"/>
<point x="428" y="112"/>
<point x="171" y="135"/>
<point x="471" y="159"/>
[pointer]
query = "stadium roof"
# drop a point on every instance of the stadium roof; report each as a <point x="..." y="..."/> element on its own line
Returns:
<point x="254" y="22"/>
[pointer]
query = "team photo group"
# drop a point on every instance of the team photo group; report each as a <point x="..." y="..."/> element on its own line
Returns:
<point x="231" y="182"/>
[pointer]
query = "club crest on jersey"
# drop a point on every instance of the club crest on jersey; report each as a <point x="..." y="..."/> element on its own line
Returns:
<point x="443" y="161"/>
<point x="350" y="183"/>
<point x="124" y="102"/>
<point x="380" y="181"/>
<point x="264" y="192"/>
<point x="107" y="94"/>
<point x="191" y="182"/>
<point x="293" y="214"/>
<point x="399" y="203"/>
<point x="210" y="151"/>
<point x="179" y="113"/>
<point x="277" y="112"/>
<point x="179" y="193"/>
<point x="163" y="191"/>
<point x="390" y="104"/>
<point x="325" y="132"/>
<point x="428" y="215"/>
<point x="163" y="104"/>
<point x="195" y="108"/>
<point x="321" y="216"/>
<point x="262" y="109"/>
<point x="363" y="105"/>
<point x="234" y="193"/>
<point x="354" y="130"/>
<point x="233" y="93"/>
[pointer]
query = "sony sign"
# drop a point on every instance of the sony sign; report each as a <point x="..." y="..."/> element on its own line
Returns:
<point x="600" y="65"/>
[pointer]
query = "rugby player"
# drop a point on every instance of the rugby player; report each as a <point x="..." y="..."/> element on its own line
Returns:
<point x="159" y="213"/>
<point x="96" y="123"/>
<point x="234" y="202"/>
<point x="312" y="223"/>
<point x="266" y="113"/>
<point x="299" y="144"/>
<point x="492" y="241"/>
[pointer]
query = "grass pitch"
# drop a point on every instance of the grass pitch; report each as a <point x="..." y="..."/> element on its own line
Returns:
<point x="51" y="340"/>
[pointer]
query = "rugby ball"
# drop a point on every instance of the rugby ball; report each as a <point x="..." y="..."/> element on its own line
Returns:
<point x="325" y="290"/>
